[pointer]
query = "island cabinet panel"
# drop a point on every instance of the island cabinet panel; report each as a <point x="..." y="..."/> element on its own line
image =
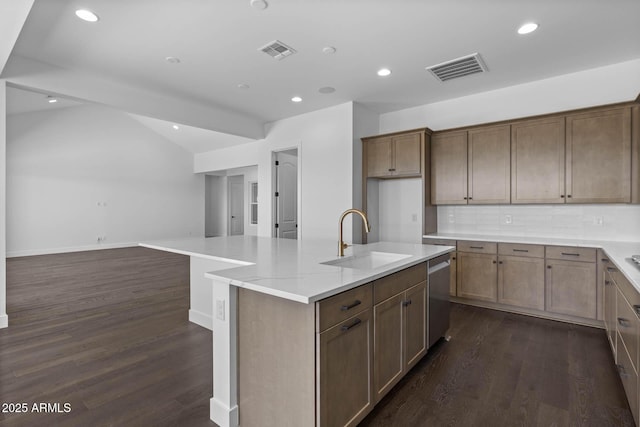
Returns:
<point x="598" y="156"/>
<point x="415" y="331"/>
<point x="537" y="161"/>
<point x="571" y="288"/>
<point x="477" y="276"/>
<point x="344" y="372"/>
<point x="490" y="165"/>
<point x="521" y="281"/>
<point x="388" y="330"/>
<point x="449" y="168"/>
<point x="276" y="357"/>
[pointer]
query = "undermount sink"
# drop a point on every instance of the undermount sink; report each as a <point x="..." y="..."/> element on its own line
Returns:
<point x="367" y="261"/>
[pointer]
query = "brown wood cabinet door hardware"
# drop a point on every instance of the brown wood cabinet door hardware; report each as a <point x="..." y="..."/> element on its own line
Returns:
<point x="611" y="269"/>
<point x="406" y="303"/>
<point x="569" y="254"/>
<point x="636" y="307"/>
<point x="624" y="322"/>
<point x="548" y="266"/>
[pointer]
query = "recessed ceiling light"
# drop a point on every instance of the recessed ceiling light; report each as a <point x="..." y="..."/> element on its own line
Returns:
<point x="51" y="99"/>
<point x="243" y="86"/>
<point x="176" y="127"/>
<point x="527" y="28"/>
<point x="296" y="99"/>
<point x="172" y="60"/>
<point x="384" y="72"/>
<point x="328" y="50"/>
<point x="86" y="15"/>
<point x="327" y="89"/>
<point x="259" y="4"/>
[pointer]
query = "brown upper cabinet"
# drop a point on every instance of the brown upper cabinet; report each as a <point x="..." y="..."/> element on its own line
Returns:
<point x="537" y="161"/>
<point x="585" y="156"/>
<point x="394" y="155"/>
<point x="598" y="147"/>
<point x="471" y="167"/>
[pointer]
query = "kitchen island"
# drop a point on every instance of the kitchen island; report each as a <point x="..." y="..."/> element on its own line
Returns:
<point x="286" y="278"/>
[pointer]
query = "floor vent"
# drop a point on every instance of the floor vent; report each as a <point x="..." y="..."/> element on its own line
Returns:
<point x="278" y="50"/>
<point x="467" y="65"/>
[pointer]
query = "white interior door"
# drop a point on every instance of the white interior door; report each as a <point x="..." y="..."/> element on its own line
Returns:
<point x="236" y="205"/>
<point x="286" y="199"/>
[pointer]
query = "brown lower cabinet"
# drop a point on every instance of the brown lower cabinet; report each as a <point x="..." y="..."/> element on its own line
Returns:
<point x="521" y="281"/>
<point x="571" y="288"/>
<point x="477" y="276"/>
<point x="400" y="336"/>
<point x="328" y="363"/>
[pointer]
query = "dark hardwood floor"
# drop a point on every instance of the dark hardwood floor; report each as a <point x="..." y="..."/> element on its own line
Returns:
<point x="107" y="332"/>
<point x="503" y="369"/>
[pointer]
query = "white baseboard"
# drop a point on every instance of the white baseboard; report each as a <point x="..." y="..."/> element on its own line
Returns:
<point x="222" y="415"/>
<point x="4" y="321"/>
<point x="49" y="251"/>
<point x="201" y="319"/>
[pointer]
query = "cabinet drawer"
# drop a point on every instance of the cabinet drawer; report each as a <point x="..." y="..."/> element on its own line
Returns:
<point x="571" y="253"/>
<point x="629" y="380"/>
<point x="477" y="247"/>
<point x="627" y="326"/>
<point x="395" y="283"/>
<point x="337" y="308"/>
<point x="441" y="242"/>
<point x="516" y="249"/>
<point x="627" y="289"/>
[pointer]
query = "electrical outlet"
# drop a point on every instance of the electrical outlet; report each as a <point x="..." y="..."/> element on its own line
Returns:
<point x="598" y="221"/>
<point x="414" y="217"/>
<point x="508" y="219"/>
<point x="220" y="309"/>
<point x="452" y="218"/>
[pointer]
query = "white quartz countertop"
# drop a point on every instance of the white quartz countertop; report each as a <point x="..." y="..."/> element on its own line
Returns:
<point x="292" y="269"/>
<point x="618" y="252"/>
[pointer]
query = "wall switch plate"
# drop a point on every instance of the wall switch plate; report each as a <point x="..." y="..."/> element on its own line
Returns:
<point x="508" y="219"/>
<point x="452" y="219"/>
<point x="220" y="309"/>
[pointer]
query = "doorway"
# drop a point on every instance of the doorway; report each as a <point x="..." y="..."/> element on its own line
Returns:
<point x="236" y="205"/>
<point x="285" y="201"/>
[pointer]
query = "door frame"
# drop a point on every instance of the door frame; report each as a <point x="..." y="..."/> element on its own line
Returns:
<point x="230" y="182"/>
<point x="274" y="204"/>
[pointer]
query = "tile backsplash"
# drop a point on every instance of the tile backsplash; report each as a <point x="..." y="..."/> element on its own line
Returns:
<point x="602" y="222"/>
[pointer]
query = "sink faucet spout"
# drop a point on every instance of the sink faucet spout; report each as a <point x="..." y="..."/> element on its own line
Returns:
<point x="341" y="244"/>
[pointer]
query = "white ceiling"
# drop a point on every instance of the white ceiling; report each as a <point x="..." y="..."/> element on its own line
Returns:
<point x="217" y="42"/>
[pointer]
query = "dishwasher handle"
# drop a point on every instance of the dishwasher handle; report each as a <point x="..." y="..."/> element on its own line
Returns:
<point x="439" y="266"/>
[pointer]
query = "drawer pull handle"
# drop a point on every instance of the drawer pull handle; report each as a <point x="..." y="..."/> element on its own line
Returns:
<point x="476" y="247"/>
<point x="636" y="307"/>
<point x="521" y="250"/>
<point x="548" y="266"/>
<point x="611" y="269"/>
<point x="624" y="322"/>
<point x="562" y="196"/>
<point x="354" y="324"/>
<point x="569" y="254"/>
<point x="406" y="303"/>
<point x="350" y="306"/>
<point x="622" y="371"/>
<point x="607" y="282"/>
<point x="604" y="260"/>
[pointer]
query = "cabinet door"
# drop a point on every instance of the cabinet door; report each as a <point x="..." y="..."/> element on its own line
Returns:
<point x="449" y="168"/>
<point x="537" y="161"/>
<point x="490" y="165"/>
<point x="610" y="311"/>
<point x="388" y="344"/>
<point x="407" y="155"/>
<point x="521" y="281"/>
<point x="344" y="372"/>
<point x="477" y="276"/>
<point x="599" y="157"/>
<point x="415" y="303"/>
<point x="453" y="283"/>
<point x="379" y="154"/>
<point x="571" y="288"/>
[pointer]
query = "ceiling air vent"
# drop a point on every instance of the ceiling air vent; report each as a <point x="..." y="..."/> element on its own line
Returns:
<point x="470" y="64"/>
<point x="278" y="50"/>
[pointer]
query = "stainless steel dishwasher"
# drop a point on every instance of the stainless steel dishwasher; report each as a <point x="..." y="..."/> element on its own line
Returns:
<point x="439" y="306"/>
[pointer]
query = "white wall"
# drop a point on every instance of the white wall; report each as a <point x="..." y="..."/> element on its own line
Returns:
<point x="324" y="141"/>
<point x="400" y="210"/>
<point x="78" y="173"/>
<point x="604" y="85"/>
<point x="4" y="321"/>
